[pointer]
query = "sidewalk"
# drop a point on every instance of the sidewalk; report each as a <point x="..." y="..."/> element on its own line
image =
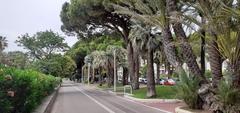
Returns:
<point x="164" y="104"/>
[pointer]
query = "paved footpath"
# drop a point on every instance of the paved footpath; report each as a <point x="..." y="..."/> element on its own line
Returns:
<point x="75" y="98"/>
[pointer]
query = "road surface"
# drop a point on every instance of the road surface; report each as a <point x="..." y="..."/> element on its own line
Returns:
<point x="75" y="98"/>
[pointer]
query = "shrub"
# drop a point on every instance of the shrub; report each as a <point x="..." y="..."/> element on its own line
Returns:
<point x="228" y="98"/>
<point x="187" y="89"/>
<point x="22" y="90"/>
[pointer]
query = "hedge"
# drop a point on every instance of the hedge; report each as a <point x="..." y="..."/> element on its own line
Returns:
<point x="21" y="91"/>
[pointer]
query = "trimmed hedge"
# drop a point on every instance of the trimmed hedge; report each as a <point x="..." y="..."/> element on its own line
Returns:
<point x="21" y="91"/>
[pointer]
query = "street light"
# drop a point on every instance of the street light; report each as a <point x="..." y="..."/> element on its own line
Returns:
<point x="83" y="74"/>
<point x="89" y="73"/>
<point x="115" y="70"/>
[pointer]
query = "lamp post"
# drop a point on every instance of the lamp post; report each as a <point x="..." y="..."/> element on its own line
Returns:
<point x="89" y="73"/>
<point x="83" y="74"/>
<point x="115" y="70"/>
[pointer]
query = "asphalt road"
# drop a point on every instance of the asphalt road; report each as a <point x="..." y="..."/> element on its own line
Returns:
<point x="74" y="98"/>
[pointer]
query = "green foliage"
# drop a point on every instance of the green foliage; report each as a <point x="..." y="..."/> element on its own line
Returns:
<point x="17" y="59"/>
<point x="97" y="43"/>
<point x="163" y="92"/>
<point x="22" y="90"/>
<point x="228" y="98"/>
<point x="187" y="90"/>
<point x="143" y="71"/>
<point x="208" y="74"/>
<point x="57" y="65"/>
<point x="43" y="44"/>
<point x="85" y="47"/>
<point x="87" y="18"/>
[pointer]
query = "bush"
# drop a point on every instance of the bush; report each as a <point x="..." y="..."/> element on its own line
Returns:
<point x="22" y="90"/>
<point x="228" y="98"/>
<point x="187" y="89"/>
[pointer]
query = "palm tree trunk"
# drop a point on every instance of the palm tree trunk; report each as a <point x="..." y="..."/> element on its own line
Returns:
<point x="136" y="69"/>
<point x="215" y="60"/>
<point x="125" y="76"/>
<point x="168" y="68"/>
<point x="169" y="48"/>
<point x="215" y="64"/>
<point x="236" y="67"/>
<point x="133" y="62"/>
<point x="130" y="61"/>
<point x="101" y="76"/>
<point x="168" y="45"/>
<point x="151" y="91"/>
<point x="203" y="43"/>
<point x="158" y="73"/>
<point x="188" y="55"/>
<point x="110" y="75"/>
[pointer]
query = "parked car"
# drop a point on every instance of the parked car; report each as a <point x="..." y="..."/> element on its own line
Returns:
<point x="170" y="82"/>
<point x="142" y="80"/>
<point x="145" y="81"/>
<point x="167" y="82"/>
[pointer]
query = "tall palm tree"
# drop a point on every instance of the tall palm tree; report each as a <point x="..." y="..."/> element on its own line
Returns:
<point x="121" y="60"/>
<point x="189" y="56"/>
<point x="153" y="13"/>
<point x="142" y="36"/>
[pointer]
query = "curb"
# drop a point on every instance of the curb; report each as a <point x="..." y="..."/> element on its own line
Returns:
<point x="154" y="100"/>
<point x="47" y="103"/>
<point x="182" y="110"/>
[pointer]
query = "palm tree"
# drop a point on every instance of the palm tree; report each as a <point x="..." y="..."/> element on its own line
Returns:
<point x="188" y="55"/>
<point x="155" y="14"/>
<point x="120" y="60"/>
<point x="99" y="61"/>
<point x="142" y="37"/>
<point x="3" y="43"/>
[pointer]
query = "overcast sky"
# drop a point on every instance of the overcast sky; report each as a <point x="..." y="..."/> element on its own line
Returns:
<point x="18" y="17"/>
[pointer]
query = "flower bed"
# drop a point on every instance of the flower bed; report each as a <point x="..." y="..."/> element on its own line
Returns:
<point x="22" y="90"/>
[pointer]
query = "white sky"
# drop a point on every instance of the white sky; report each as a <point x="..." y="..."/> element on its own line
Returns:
<point x="18" y="17"/>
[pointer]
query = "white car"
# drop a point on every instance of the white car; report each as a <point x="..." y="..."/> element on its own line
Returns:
<point x="142" y="80"/>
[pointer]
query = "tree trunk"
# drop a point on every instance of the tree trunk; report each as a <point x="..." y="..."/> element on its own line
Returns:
<point x="169" y="46"/>
<point x="158" y="73"/>
<point x="133" y="61"/>
<point x="136" y="69"/>
<point x="185" y="47"/>
<point x="125" y="76"/>
<point x="236" y="67"/>
<point x="203" y="43"/>
<point x="110" y="75"/>
<point x="100" y="76"/>
<point x="151" y="91"/>
<point x="130" y="61"/>
<point x="168" y="68"/>
<point x="215" y="62"/>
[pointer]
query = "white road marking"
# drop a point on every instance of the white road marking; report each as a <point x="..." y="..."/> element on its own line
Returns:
<point x="100" y="104"/>
<point x="130" y="100"/>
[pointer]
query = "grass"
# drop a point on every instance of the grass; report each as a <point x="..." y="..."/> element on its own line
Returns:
<point x="118" y="89"/>
<point x="163" y="92"/>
